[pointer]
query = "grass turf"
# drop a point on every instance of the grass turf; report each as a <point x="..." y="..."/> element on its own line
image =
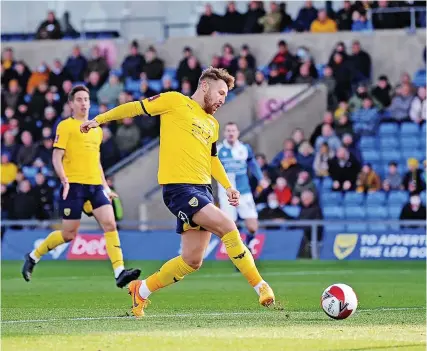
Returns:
<point x="76" y="306"/>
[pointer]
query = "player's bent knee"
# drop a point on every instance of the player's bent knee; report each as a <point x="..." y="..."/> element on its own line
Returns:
<point x="69" y="235"/>
<point x="194" y="263"/>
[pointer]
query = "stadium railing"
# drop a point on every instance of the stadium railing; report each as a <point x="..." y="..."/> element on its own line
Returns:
<point x="314" y="225"/>
<point x="412" y="10"/>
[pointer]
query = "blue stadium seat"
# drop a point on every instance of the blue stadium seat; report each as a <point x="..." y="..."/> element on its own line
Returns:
<point x="132" y="85"/>
<point x="367" y="143"/>
<point x="170" y="72"/>
<point x="371" y="156"/>
<point x="155" y="85"/>
<point x="292" y="211"/>
<point x="333" y="212"/>
<point x="423" y="197"/>
<point x="327" y="184"/>
<point x="409" y="129"/>
<point x="409" y="143"/>
<point x="388" y="142"/>
<point x="377" y="213"/>
<point x="394" y="213"/>
<point x="331" y="198"/>
<point x="264" y="69"/>
<point x="423" y="129"/>
<point x="375" y="199"/>
<point x="417" y="154"/>
<point x="317" y="182"/>
<point x="390" y="155"/>
<point x="356" y="214"/>
<point x="398" y="198"/>
<point x="353" y="198"/>
<point x="388" y="129"/>
<point x="420" y="78"/>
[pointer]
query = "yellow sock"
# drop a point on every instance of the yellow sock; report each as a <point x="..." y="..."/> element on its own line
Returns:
<point x="171" y="272"/>
<point x="241" y="257"/>
<point x="53" y="240"/>
<point x="112" y="244"/>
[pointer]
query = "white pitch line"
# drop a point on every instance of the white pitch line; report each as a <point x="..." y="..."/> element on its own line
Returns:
<point x="178" y="315"/>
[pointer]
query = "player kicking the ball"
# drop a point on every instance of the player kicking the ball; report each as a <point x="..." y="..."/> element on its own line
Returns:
<point x="187" y="161"/>
<point x="76" y="159"/>
<point x="237" y="157"/>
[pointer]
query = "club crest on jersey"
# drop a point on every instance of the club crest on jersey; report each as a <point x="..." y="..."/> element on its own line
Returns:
<point x="67" y="211"/>
<point x="153" y="97"/>
<point x="193" y="202"/>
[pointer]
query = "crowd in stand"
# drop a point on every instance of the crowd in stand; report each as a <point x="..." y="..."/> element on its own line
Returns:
<point x="354" y="16"/>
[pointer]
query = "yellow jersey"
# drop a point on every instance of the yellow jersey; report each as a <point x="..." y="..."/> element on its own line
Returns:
<point x="82" y="152"/>
<point x="187" y="133"/>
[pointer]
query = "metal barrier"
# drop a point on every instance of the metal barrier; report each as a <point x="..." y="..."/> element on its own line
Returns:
<point x="314" y="225"/>
<point x="411" y="10"/>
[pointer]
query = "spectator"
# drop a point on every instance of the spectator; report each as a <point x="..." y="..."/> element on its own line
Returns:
<point x="367" y="118"/>
<point x="303" y="183"/>
<point x="323" y="24"/>
<point x="255" y="12"/>
<point x="344" y="16"/>
<point x="393" y="180"/>
<point x="57" y="75"/>
<point x="283" y="191"/>
<point x="273" y="211"/>
<point x="128" y="136"/>
<point x="350" y="145"/>
<point x="342" y="75"/>
<point x="146" y="91"/>
<point x="7" y="64"/>
<point x="110" y="91"/>
<point x="13" y="96"/>
<point x="356" y="101"/>
<point x="186" y="88"/>
<point x="401" y="104"/>
<point x="49" y="117"/>
<point x="382" y="91"/>
<point x="360" y="62"/>
<point x="65" y="91"/>
<point x="191" y="70"/>
<point x="133" y="63"/>
<point x="328" y="136"/>
<point x="310" y="210"/>
<point x="76" y="65"/>
<point x="9" y="145"/>
<point x="329" y="81"/>
<point x="417" y="112"/>
<point x="271" y="21"/>
<point x="304" y="75"/>
<point x="94" y="85"/>
<point x="8" y="170"/>
<point x="297" y="137"/>
<point x="67" y="27"/>
<point x="216" y="61"/>
<point x="289" y="167"/>
<point x="45" y="150"/>
<point x="305" y="157"/>
<point x="50" y="28"/>
<point x="227" y="57"/>
<point x="343" y="169"/>
<point x="341" y="110"/>
<point x="343" y="126"/>
<point x="361" y="22"/>
<point x="110" y="153"/>
<point x="340" y="48"/>
<point x="24" y="205"/>
<point x="98" y="63"/>
<point x="382" y="19"/>
<point x="6" y="200"/>
<point x="44" y="198"/>
<point x="209" y="22"/>
<point x="248" y="72"/>
<point x="283" y="61"/>
<point x="27" y="152"/>
<point x="167" y="85"/>
<point x="268" y="170"/>
<point x="305" y="17"/>
<point x="22" y="74"/>
<point x="286" y="22"/>
<point x="261" y="189"/>
<point x="321" y="161"/>
<point x="240" y="82"/>
<point x="368" y="181"/>
<point x="154" y="67"/>
<point x="260" y="79"/>
<point x="405" y="79"/>
<point x="232" y="22"/>
<point x="288" y="145"/>
<point x="327" y="119"/>
<point x="414" y="210"/>
<point x="303" y="56"/>
<point x="275" y="78"/>
<point x="413" y="181"/>
<point x="41" y="75"/>
<point x="244" y="53"/>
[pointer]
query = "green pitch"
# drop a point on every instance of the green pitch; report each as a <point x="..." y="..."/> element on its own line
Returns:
<point x="76" y="306"/>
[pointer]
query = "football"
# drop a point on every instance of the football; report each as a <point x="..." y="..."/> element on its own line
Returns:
<point x="339" y="301"/>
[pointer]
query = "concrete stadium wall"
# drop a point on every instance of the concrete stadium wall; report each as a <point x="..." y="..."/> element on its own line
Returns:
<point x="392" y="51"/>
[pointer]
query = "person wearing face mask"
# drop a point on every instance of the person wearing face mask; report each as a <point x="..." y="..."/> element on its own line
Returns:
<point x="413" y="210"/>
<point x="356" y="101"/>
<point x="273" y="212"/>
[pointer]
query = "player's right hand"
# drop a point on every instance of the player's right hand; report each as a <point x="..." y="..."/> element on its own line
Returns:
<point x="66" y="187"/>
<point x="86" y="126"/>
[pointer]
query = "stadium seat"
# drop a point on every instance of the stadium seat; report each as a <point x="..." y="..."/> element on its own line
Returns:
<point x="377" y="213"/>
<point x="390" y="155"/>
<point x="333" y="212"/>
<point x="317" y="182"/>
<point x="375" y="199"/>
<point x="398" y="198"/>
<point x="409" y="143"/>
<point x="417" y="154"/>
<point x="353" y="198"/>
<point x="388" y="129"/>
<point x="420" y="78"/>
<point x="371" y="156"/>
<point x="292" y="211"/>
<point x="132" y="85"/>
<point x="409" y="129"/>
<point x="331" y="198"/>
<point x="423" y="197"/>
<point x="423" y="130"/>
<point x="155" y="85"/>
<point x="388" y="142"/>
<point x="170" y="72"/>
<point x="355" y="214"/>
<point x="327" y="184"/>
<point x="367" y="143"/>
<point x="394" y="214"/>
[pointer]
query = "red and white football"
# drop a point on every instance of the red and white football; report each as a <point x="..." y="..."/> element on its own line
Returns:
<point x="339" y="301"/>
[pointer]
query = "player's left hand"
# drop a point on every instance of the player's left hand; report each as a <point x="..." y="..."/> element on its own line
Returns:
<point x="233" y="196"/>
<point x="112" y="195"/>
<point x="86" y="126"/>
